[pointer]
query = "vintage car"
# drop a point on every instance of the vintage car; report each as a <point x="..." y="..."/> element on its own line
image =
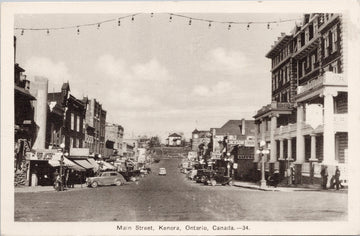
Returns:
<point x="162" y="171"/>
<point x="201" y="175"/>
<point x="215" y="177"/>
<point x="105" y="178"/>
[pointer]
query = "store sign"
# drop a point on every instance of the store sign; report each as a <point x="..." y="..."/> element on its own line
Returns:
<point x="44" y="154"/>
<point x="89" y="139"/>
<point x="249" y="143"/>
<point x="236" y="142"/>
<point x="215" y="155"/>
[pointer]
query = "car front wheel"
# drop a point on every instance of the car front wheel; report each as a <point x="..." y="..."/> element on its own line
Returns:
<point x="118" y="182"/>
<point x="94" y="184"/>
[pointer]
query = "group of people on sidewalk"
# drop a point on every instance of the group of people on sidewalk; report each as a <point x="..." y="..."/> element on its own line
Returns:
<point x="68" y="179"/>
<point x="334" y="181"/>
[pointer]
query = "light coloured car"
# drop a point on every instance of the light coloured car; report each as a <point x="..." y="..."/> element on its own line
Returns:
<point x="162" y="171"/>
<point x="106" y="178"/>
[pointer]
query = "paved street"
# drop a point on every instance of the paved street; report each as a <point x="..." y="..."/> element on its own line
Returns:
<point x="174" y="198"/>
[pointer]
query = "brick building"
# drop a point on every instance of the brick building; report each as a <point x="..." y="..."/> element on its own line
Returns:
<point x="95" y="123"/>
<point x="66" y="119"/>
<point x="306" y="121"/>
<point x="114" y="135"/>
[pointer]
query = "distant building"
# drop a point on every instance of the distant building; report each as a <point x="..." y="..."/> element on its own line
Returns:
<point x="114" y="138"/>
<point x="95" y="123"/>
<point x="174" y="140"/>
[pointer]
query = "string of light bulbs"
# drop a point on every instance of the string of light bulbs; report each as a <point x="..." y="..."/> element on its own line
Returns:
<point x="210" y="22"/>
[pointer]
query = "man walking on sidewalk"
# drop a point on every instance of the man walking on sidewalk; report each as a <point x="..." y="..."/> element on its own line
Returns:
<point x="324" y="175"/>
<point x="337" y="178"/>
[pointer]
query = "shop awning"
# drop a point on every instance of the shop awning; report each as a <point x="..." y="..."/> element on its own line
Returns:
<point x="108" y="166"/>
<point x="84" y="163"/>
<point x="77" y="168"/>
<point x="55" y="161"/>
<point x="93" y="163"/>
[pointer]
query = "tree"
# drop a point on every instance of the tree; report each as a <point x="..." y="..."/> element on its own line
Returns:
<point x="154" y="141"/>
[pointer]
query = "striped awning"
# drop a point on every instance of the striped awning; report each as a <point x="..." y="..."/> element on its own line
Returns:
<point x="84" y="163"/>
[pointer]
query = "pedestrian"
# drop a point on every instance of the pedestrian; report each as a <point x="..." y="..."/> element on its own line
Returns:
<point x="67" y="178"/>
<point x="71" y="179"/>
<point x="337" y="178"/>
<point x="324" y="176"/>
<point x="55" y="175"/>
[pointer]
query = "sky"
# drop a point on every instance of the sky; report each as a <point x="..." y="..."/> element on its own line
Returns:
<point x="153" y="76"/>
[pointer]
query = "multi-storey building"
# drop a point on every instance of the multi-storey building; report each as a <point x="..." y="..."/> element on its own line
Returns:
<point x="306" y="122"/>
<point x="95" y="122"/>
<point x="235" y="137"/>
<point x="67" y="129"/>
<point x="114" y="134"/>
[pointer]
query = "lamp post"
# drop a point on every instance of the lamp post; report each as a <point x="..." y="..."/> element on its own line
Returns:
<point x="263" y="151"/>
<point x="62" y="146"/>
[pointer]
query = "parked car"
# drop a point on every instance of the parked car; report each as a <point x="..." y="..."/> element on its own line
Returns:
<point x="201" y="175"/>
<point x="162" y="171"/>
<point x="106" y="178"/>
<point x="214" y="177"/>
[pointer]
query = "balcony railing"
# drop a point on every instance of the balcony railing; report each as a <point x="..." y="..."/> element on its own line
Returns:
<point x="329" y="78"/>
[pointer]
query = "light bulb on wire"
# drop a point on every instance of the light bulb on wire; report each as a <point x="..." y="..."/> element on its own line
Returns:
<point x="209" y="24"/>
<point x="98" y="26"/>
<point x="47" y="32"/>
<point x="268" y="25"/>
<point x="151" y="14"/>
<point x="190" y="21"/>
<point x="170" y="18"/>
<point x="119" y="23"/>
<point x="78" y="30"/>
<point x="248" y="27"/>
<point x="132" y="18"/>
<point x="229" y="27"/>
<point x="22" y="32"/>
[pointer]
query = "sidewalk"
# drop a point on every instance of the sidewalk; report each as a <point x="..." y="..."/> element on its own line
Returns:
<point x="36" y="189"/>
<point x="256" y="186"/>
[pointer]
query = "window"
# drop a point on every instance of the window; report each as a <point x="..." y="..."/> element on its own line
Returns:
<point x="71" y="142"/>
<point x="77" y="143"/>
<point x="334" y="40"/>
<point x="326" y="45"/>
<point x="78" y="123"/>
<point x="313" y="61"/>
<point x="303" y="67"/>
<point x="72" y="121"/>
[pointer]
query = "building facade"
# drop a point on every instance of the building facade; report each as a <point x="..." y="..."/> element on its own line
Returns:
<point x="174" y="140"/>
<point x="114" y="135"/>
<point x="235" y="137"/>
<point x="200" y="137"/>
<point x="95" y="123"/>
<point x="306" y="121"/>
<point x="67" y="129"/>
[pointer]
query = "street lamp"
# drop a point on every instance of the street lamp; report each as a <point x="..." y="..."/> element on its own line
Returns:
<point x="263" y="151"/>
<point x="62" y="146"/>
